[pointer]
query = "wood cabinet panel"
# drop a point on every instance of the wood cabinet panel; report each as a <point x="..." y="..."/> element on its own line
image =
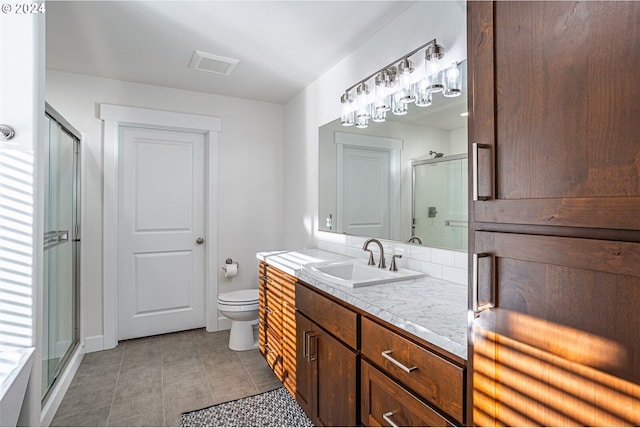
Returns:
<point x="381" y="397"/>
<point x="305" y="371"/>
<point x="432" y="377"/>
<point x="555" y="100"/>
<point x="262" y="302"/>
<point x="277" y="325"/>
<point x="337" y="320"/>
<point x="326" y="376"/>
<point x="560" y="345"/>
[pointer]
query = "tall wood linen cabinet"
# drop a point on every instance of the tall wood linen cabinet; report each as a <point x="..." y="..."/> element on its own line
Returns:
<point x="554" y="129"/>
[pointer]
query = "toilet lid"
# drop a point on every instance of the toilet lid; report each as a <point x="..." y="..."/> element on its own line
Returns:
<point x="240" y="296"/>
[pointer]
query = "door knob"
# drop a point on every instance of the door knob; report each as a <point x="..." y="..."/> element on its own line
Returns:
<point x="6" y="133"/>
<point x="200" y="240"/>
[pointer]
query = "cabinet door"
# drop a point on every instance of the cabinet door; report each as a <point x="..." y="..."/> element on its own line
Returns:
<point x="554" y="109"/>
<point x="305" y="370"/>
<point x="326" y="376"/>
<point x="336" y="381"/>
<point x="556" y="339"/>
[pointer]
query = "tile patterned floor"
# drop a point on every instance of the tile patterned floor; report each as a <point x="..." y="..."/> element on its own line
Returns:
<point x="151" y="381"/>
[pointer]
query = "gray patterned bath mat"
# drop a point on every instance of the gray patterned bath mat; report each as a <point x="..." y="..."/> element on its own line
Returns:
<point x="270" y="409"/>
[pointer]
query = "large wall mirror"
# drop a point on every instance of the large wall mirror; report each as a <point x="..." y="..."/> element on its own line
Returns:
<point x="404" y="179"/>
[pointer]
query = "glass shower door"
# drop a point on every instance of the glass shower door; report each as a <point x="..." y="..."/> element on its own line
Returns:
<point x="60" y="306"/>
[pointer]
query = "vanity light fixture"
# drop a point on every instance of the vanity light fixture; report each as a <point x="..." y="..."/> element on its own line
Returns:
<point x="405" y="68"/>
<point x="452" y="81"/>
<point x="347" y="117"/>
<point x="399" y="84"/>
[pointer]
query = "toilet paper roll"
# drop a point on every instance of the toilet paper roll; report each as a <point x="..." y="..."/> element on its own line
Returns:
<point x="231" y="270"/>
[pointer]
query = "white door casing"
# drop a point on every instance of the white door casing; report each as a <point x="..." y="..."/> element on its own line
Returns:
<point x="160" y="217"/>
<point x="114" y="118"/>
<point x="362" y="162"/>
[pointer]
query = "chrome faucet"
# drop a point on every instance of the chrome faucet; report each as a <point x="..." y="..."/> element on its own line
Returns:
<point x="414" y="238"/>
<point x="381" y="264"/>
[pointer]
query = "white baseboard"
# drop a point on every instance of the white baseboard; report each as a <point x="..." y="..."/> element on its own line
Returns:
<point x="50" y="407"/>
<point x="94" y="343"/>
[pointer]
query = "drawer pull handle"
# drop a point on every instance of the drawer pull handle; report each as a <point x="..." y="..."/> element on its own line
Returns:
<point x="312" y="339"/>
<point x="387" y="355"/>
<point x="305" y="344"/>
<point x="387" y="419"/>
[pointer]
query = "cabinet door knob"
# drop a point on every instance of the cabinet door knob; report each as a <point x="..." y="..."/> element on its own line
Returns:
<point x="387" y="355"/>
<point x="200" y="240"/>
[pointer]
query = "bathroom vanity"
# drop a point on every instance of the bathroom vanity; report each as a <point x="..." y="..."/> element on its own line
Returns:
<point x="385" y="354"/>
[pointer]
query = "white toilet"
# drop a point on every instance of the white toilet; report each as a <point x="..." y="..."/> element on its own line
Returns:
<point x="241" y="307"/>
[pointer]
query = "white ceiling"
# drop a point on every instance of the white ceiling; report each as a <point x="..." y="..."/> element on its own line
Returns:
<point x="282" y="45"/>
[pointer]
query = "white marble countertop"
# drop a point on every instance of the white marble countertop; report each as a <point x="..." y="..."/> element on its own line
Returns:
<point x="429" y="308"/>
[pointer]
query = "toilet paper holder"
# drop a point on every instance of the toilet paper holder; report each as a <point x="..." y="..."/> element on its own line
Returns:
<point x="230" y="261"/>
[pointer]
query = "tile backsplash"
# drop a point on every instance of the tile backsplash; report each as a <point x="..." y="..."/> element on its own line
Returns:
<point x="439" y="263"/>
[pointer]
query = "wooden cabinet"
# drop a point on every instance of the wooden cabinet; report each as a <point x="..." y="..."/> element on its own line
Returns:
<point x="554" y="109"/>
<point x="326" y="367"/>
<point x="387" y="403"/>
<point x="400" y="382"/>
<point x="277" y="325"/>
<point x="555" y="230"/>
<point x="430" y="376"/>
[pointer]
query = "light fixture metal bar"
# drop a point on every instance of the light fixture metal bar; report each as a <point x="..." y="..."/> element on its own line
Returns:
<point x="413" y="52"/>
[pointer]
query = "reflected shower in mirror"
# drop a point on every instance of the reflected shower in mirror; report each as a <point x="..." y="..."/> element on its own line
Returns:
<point x="366" y="175"/>
<point x="440" y="214"/>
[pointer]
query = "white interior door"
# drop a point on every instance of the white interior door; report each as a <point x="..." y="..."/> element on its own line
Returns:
<point x="161" y="272"/>
<point x="366" y="186"/>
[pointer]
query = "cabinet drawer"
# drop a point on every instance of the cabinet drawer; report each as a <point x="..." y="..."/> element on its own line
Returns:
<point x="337" y="320"/>
<point x="432" y="377"/>
<point x="383" y="398"/>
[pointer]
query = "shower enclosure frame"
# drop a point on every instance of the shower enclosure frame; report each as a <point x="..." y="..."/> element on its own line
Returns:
<point x="58" y="238"/>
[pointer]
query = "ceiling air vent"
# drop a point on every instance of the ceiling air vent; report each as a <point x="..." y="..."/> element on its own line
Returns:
<point x="211" y="63"/>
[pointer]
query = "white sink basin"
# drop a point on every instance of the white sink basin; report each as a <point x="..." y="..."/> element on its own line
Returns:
<point x="356" y="273"/>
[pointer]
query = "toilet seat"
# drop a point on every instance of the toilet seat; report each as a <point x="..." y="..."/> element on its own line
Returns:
<point x="239" y="297"/>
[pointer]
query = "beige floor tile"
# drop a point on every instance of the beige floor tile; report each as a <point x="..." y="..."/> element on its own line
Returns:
<point x="105" y="358"/>
<point x="232" y="387"/>
<point x="179" y="353"/>
<point x="270" y="386"/>
<point x="151" y="419"/>
<point x="261" y="374"/>
<point x="90" y="418"/>
<point x="139" y="360"/>
<point x="215" y="368"/>
<point x="151" y="381"/>
<point x="79" y="399"/>
<point x="136" y="405"/>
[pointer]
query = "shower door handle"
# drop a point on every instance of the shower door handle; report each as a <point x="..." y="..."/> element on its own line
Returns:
<point x="55" y="238"/>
